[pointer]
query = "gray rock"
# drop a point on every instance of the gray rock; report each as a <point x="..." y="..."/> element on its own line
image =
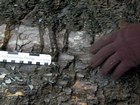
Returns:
<point x="68" y="91"/>
<point x="60" y="39"/>
<point x="8" y="81"/>
<point x="3" y="72"/>
<point x="79" y="42"/>
<point x="64" y="59"/>
<point x="47" y="43"/>
<point x="28" y="39"/>
<point x="2" y="30"/>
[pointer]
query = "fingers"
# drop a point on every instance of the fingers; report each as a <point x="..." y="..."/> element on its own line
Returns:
<point x="121" y="69"/>
<point x="102" y="55"/>
<point x="102" y="42"/>
<point x="109" y="64"/>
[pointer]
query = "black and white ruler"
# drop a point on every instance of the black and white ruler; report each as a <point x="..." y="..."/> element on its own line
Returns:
<point x="25" y="58"/>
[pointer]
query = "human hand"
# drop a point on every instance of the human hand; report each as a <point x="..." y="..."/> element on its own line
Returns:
<point x="118" y="51"/>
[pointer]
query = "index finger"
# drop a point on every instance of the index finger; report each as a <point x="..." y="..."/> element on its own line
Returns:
<point x="102" y="42"/>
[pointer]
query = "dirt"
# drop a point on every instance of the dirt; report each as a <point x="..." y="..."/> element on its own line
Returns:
<point x="68" y="80"/>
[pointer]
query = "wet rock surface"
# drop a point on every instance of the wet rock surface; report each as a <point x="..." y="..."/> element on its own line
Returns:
<point x="65" y="30"/>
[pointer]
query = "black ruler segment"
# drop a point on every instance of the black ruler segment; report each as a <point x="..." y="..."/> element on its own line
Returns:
<point x="29" y="62"/>
<point x="16" y="53"/>
<point x="21" y="62"/>
<point x="4" y="60"/>
<point x="32" y="54"/>
<point x="13" y="61"/>
<point x="38" y="63"/>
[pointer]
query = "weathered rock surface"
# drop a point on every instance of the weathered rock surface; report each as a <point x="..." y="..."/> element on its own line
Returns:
<point x="68" y="80"/>
<point x="27" y="39"/>
<point x="2" y="31"/>
<point x="79" y="42"/>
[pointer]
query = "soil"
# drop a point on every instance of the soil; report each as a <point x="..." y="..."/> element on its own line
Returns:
<point x="55" y="84"/>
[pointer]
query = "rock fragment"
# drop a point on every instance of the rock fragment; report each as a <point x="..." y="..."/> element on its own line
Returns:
<point x="79" y="75"/>
<point x="79" y="42"/>
<point x="8" y="81"/>
<point x="64" y="59"/>
<point x="24" y="38"/>
<point x="12" y="43"/>
<point x="60" y="39"/>
<point x="84" y="88"/>
<point x="82" y="61"/>
<point x="68" y="90"/>
<point x="3" y="72"/>
<point x="47" y="43"/>
<point x="61" y="99"/>
<point x="2" y="30"/>
<point x="27" y="39"/>
<point x="13" y="68"/>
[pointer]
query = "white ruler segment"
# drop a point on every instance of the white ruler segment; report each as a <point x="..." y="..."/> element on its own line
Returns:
<point x="25" y="58"/>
